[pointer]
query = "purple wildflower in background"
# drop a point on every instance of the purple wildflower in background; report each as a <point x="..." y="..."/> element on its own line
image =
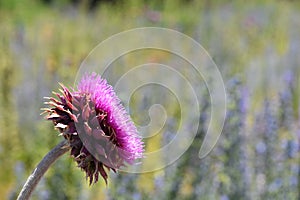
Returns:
<point x="99" y="131"/>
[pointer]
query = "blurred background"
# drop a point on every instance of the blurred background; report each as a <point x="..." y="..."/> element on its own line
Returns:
<point x="256" y="45"/>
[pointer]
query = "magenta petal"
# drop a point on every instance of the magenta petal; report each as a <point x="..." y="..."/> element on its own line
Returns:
<point x="104" y="98"/>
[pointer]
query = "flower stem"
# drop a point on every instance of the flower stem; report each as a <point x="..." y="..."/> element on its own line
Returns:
<point x="41" y="169"/>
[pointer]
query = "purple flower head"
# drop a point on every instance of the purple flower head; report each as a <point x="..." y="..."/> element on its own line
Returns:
<point x="100" y="132"/>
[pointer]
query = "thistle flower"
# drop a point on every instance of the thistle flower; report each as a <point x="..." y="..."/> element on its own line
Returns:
<point x="100" y="133"/>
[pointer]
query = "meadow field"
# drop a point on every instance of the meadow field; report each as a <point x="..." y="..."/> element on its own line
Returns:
<point x="256" y="46"/>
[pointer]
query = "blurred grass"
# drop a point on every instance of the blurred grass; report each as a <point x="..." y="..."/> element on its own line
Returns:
<point x="255" y="42"/>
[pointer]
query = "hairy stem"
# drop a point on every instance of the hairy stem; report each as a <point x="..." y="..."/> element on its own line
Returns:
<point x="41" y="169"/>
